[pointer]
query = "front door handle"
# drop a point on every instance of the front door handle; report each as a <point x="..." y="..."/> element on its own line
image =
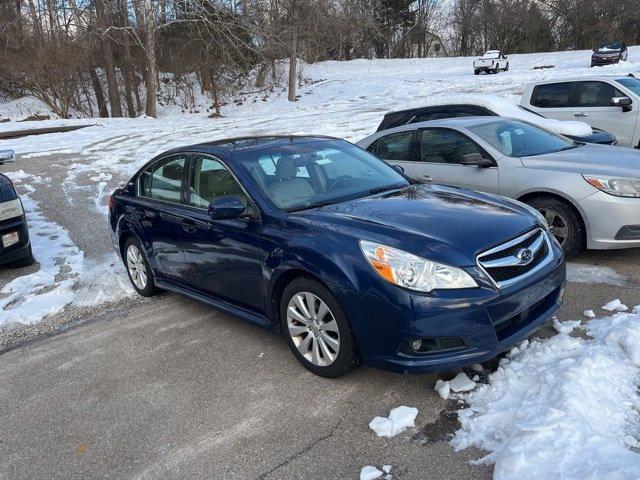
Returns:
<point x="426" y="178"/>
<point x="580" y="114"/>
<point x="188" y="226"/>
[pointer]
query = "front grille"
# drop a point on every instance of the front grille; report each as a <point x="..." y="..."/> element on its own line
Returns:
<point x="517" y="259"/>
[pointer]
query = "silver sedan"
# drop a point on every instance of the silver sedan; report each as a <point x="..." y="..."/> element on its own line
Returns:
<point x="589" y="194"/>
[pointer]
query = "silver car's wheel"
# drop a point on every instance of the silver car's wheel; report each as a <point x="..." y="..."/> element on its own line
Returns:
<point x="136" y="266"/>
<point x="557" y="225"/>
<point x="313" y="329"/>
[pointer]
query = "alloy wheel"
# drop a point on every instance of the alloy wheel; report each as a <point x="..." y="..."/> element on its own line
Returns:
<point x="136" y="266"/>
<point x="558" y="225"/>
<point x="313" y="329"/>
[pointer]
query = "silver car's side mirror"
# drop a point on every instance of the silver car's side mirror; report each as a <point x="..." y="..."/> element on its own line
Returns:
<point x="7" y="156"/>
<point x="622" y="102"/>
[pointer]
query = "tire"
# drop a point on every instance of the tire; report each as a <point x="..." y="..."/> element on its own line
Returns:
<point x="315" y="342"/>
<point x="506" y="69"/>
<point x="139" y="265"/>
<point x="558" y="212"/>
<point x="476" y="72"/>
<point x="497" y="69"/>
<point x="23" y="262"/>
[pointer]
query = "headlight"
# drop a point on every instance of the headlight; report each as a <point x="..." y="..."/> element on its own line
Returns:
<point x="620" y="187"/>
<point x="10" y="209"/>
<point x="413" y="272"/>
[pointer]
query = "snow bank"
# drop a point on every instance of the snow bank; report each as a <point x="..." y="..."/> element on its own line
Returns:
<point x="562" y="408"/>
<point x="399" y="419"/>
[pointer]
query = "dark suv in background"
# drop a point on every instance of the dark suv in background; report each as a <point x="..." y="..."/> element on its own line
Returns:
<point x="607" y="53"/>
<point x="424" y="114"/>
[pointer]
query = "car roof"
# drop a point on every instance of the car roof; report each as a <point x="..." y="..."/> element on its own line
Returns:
<point x="581" y="79"/>
<point x="459" y="121"/>
<point x="229" y="146"/>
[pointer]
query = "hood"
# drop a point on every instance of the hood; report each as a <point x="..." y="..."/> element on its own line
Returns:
<point x="444" y="224"/>
<point x="590" y="158"/>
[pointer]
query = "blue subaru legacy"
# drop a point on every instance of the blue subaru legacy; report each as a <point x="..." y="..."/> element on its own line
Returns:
<point x="353" y="262"/>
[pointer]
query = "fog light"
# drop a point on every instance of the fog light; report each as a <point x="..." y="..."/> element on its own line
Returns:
<point x="10" y="239"/>
<point x="416" y="345"/>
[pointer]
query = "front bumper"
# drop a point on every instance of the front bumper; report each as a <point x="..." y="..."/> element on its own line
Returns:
<point x="604" y="60"/>
<point x="18" y="250"/>
<point x="488" y="321"/>
<point x="606" y="216"/>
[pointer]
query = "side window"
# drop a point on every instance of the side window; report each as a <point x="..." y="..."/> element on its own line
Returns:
<point x="396" y="146"/>
<point x="597" y="94"/>
<point x="432" y="115"/>
<point x="471" y="111"/>
<point x="210" y="179"/>
<point x="446" y="146"/>
<point x="163" y="179"/>
<point x="553" y="95"/>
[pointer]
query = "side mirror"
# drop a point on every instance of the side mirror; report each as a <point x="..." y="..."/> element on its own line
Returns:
<point x="622" y="102"/>
<point x="7" y="156"/>
<point x="398" y="168"/>
<point x="225" y="208"/>
<point x="475" y="160"/>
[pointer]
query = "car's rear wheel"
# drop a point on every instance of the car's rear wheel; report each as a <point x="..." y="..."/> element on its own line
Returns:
<point x="564" y="223"/>
<point x="506" y="69"/>
<point x="476" y="72"/>
<point x="316" y="328"/>
<point x="138" y="269"/>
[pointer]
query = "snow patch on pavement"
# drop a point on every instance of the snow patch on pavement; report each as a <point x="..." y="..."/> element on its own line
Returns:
<point x="615" y="306"/>
<point x="563" y="407"/>
<point x="399" y="419"/>
<point x="580" y="273"/>
<point x="565" y="327"/>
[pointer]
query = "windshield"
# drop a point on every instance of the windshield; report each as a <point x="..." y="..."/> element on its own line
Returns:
<point x="631" y="83"/>
<point x="520" y="139"/>
<point x="310" y="174"/>
<point x="609" y="47"/>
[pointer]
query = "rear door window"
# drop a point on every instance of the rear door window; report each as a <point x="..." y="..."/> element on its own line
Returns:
<point x="553" y="95"/>
<point x="163" y="179"/>
<point x="396" y="146"/>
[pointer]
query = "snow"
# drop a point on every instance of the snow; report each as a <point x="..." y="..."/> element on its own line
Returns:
<point x="443" y="388"/>
<point x="399" y="419"/>
<point x="563" y="407"/>
<point x="342" y="99"/>
<point x="462" y="383"/>
<point x="615" y="305"/>
<point x="580" y="273"/>
<point x="590" y="314"/>
<point x="369" y="473"/>
<point x="565" y="327"/>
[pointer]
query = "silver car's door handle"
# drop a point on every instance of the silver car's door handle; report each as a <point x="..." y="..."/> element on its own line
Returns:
<point x="426" y="178"/>
<point x="580" y="114"/>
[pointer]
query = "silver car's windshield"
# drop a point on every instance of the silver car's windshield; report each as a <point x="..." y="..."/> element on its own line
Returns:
<point x="519" y="139"/>
<point x="631" y="83"/>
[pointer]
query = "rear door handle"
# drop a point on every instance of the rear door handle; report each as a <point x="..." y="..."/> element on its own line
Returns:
<point x="580" y="114"/>
<point x="188" y="226"/>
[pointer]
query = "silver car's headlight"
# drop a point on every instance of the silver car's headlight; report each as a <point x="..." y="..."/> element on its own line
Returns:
<point x="10" y="209"/>
<point x="620" y="187"/>
<point x="413" y="272"/>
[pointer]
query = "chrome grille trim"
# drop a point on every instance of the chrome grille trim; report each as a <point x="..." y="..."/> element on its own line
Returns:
<point x="512" y="261"/>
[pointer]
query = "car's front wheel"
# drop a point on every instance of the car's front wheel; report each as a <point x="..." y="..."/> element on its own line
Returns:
<point x="316" y="328"/>
<point x="138" y="269"/>
<point x="564" y="223"/>
<point x="26" y="261"/>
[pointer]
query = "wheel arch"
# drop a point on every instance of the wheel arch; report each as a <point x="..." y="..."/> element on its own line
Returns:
<point x="557" y="196"/>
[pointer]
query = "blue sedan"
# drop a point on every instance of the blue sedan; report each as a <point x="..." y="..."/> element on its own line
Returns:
<point x="353" y="262"/>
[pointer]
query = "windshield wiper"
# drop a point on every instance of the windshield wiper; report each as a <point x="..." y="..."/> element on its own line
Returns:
<point x="395" y="186"/>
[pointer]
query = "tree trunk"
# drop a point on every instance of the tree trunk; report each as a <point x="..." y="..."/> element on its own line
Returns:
<point x="150" y="79"/>
<point x="293" y="55"/>
<point x="107" y="52"/>
<point x="97" y="88"/>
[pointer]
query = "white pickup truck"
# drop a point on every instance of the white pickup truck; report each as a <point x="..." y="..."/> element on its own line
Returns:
<point x="492" y="61"/>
